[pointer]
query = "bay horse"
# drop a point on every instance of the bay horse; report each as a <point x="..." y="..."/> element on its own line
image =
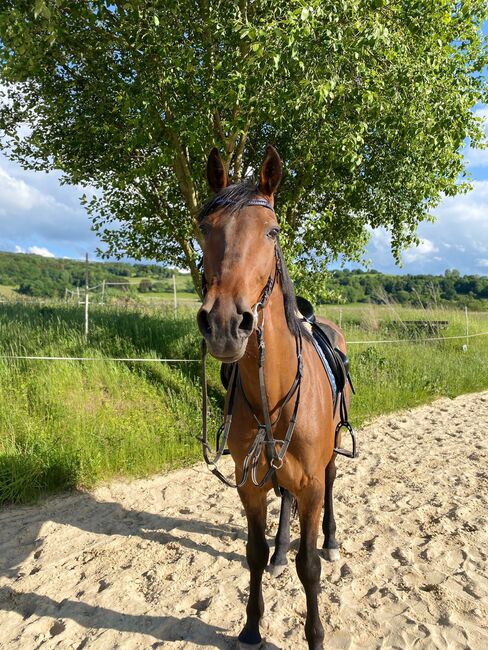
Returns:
<point x="249" y="305"/>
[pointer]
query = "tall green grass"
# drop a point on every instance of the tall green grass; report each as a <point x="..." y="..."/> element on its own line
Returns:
<point x="70" y="423"/>
<point x="412" y="371"/>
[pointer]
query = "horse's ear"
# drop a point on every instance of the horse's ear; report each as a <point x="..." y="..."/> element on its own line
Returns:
<point x="270" y="172"/>
<point x="216" y="172"/>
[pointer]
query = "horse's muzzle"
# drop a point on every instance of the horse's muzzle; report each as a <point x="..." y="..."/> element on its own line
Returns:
<point x="226" y="327"/>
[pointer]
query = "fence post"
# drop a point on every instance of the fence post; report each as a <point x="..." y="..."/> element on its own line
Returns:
<point x="465" y="346"/>
<point x="103" y="292"/>
<point x="86" y="299"/>
<point x="175" y="302"/>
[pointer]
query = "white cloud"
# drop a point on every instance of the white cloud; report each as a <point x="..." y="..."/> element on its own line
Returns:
<point x="457" y="239"/>
<point x="40" y="250"/>
<point x="16" y="194"/>
<point x="35" y="250"/>
<point x="423" y="249"/>
<point x="36" y="212"/>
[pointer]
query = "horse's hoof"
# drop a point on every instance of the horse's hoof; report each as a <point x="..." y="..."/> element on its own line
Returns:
<point x="249" y="646"/>
<point x="275" y="570"/>
<point x="331" y="554"/>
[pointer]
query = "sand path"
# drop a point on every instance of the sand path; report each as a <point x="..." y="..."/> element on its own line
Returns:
<point x="160" y="563"/>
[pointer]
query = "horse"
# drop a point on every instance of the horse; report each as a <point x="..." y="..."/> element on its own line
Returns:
<point x="249" y="306"/>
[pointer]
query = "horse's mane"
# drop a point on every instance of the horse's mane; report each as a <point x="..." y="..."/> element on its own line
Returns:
<point x="238" y="196"/>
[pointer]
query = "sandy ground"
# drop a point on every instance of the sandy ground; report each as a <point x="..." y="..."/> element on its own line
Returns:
<point x="160" y="563"/>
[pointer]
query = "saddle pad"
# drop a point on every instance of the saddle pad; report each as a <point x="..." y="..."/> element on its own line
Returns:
<point x="327" y="368"/>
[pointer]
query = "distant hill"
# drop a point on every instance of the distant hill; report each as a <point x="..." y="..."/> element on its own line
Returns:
<point x="33" y="275"/>
<point x="418" y="290"/>
<point x="36" y="276"/>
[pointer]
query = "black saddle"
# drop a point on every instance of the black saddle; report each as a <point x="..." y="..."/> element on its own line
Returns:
<point x="325" y="337"/>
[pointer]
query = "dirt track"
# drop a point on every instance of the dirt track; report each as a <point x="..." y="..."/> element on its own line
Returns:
<point x="160" y="562"/>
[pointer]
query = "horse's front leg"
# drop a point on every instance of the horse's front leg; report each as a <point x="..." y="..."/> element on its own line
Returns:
<point x="278" y="560"/>
<point x="330" y="549"/>
<point x="310" y="501"/>
<point x="257" y="553"/>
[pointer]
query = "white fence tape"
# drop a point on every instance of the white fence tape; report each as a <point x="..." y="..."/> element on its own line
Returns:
<point x="420" y="340"/>
<point x="145" y="359"/>
<point x="149" y="360"/>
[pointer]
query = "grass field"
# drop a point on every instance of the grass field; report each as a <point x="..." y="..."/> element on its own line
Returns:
<point x="183" y="290"/>
<point x="7" y="292"/>
<point x="69" y="423"/>
<point x="112" y="294"/>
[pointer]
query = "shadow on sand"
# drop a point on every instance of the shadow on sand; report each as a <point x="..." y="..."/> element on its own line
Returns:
<point x="164" y="628"/>
<point x="19" y="538"/>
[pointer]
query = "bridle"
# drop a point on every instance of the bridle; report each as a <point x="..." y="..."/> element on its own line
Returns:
<point x="264" y="437"/>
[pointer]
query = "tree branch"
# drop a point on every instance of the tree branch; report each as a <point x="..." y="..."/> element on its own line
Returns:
<point x="239" y="153"/>
<point x="190" y="258"/>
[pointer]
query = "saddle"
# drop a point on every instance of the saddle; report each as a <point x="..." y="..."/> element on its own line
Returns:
<point x="324" y="338"/>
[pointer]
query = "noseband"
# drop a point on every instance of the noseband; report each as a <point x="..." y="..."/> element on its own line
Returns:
<point x="264" y="437"/>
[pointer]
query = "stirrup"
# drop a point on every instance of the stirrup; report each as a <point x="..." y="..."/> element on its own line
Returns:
<point x="340" y="450"/>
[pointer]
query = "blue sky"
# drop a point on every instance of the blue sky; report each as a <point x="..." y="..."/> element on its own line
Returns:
<point x="39" y="215"/>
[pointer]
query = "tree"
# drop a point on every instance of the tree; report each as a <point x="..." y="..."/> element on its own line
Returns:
<point x="367" y="101"/>
<point x="145" y="286"/>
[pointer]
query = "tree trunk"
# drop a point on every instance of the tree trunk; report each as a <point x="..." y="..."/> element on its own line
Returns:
<point x="193" y="266"/>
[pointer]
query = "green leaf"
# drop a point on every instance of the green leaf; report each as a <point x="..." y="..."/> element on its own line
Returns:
<point x="39" y="7"/>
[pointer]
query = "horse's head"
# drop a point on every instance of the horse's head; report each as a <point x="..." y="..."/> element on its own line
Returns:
<point x="239" y="254"/>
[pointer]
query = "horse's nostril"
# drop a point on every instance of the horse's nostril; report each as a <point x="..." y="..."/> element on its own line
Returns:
<point x="203" y="322"/>
<point x="247" y="323"/>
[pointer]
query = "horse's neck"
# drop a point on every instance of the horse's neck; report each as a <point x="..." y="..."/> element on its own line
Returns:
<point x="280" y="365"/>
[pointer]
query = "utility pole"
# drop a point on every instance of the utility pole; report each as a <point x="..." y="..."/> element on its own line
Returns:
<point x="86" y="299"/>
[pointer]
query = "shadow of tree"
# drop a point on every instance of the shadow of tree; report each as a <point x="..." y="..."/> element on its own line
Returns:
<point x="165" y="628"/>
<point x="19" y="539"/>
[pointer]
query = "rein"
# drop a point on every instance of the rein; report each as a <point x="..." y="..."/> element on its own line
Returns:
<point x="264" y="437"/>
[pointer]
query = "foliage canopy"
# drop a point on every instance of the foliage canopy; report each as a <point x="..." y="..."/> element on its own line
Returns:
<point x="367" y="101"/>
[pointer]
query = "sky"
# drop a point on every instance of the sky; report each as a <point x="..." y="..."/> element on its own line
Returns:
<point x="39" y="215"/>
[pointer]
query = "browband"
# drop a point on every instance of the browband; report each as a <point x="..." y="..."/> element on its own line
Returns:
<point x="262" y="202"/>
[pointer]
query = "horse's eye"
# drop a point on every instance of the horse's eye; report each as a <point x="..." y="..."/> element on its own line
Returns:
<point x="204" y="228"/>
<point x="273" y="233"/>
